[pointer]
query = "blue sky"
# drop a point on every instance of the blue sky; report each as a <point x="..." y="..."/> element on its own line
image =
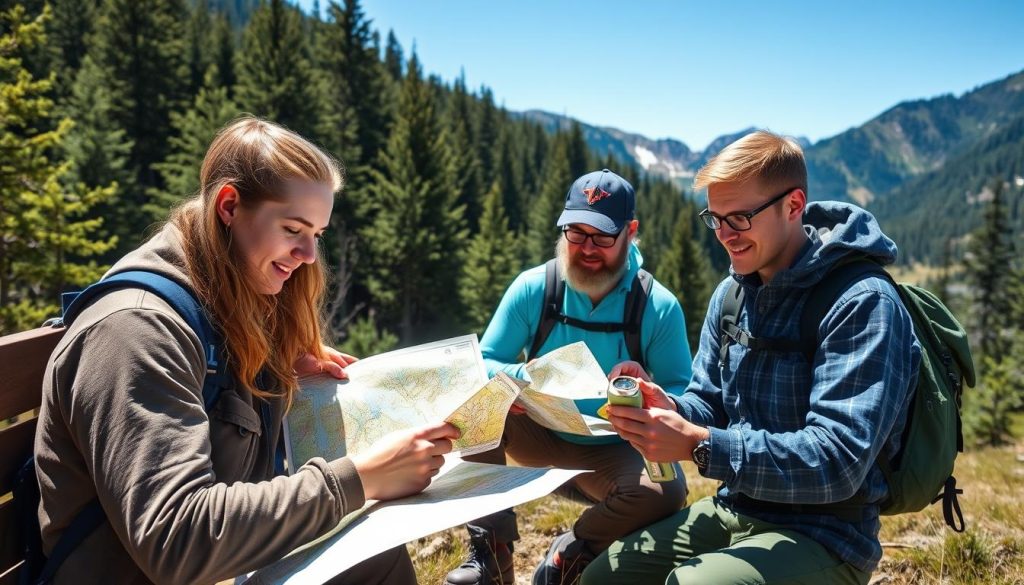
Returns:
<point x="696" y="70"/>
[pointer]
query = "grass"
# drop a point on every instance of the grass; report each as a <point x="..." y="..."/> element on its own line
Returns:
<point x="918" y="548"/>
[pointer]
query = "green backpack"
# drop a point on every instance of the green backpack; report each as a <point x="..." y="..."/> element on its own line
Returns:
<point x="921" y="473"/>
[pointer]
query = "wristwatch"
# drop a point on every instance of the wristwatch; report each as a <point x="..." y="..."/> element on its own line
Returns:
<point x="702" y="456"/>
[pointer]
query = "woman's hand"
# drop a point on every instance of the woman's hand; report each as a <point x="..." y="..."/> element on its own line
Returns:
<point x="333" y="365"/>
<point x="402" y="463"/>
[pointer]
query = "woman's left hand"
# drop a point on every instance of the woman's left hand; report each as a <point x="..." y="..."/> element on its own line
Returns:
<point x="333" y="365"/>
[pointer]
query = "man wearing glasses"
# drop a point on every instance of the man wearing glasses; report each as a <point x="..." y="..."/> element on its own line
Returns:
<point x="792" y="433"/>
<point x="599" y="261"/>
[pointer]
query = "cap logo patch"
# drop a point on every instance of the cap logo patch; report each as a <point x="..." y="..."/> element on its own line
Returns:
<point x="595" y="194"/>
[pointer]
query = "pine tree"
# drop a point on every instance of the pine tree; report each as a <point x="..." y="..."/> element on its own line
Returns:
<point x="198" y="41"/>
<point x="275" y="78"/>
<point x="487" y="133"/>
<point x="364" y="75"/>
<point x="195" y="129"/>
<point x="224" y="41"/>
<point x="467" y="175"/>
<point x="491" y="263"/>
<point x="417" y="232"/>
<point x="685" y="271"/>
<point x="508" y="175"/>
<point x="989" y="260"/>
<point x="42" y="238"/>
<point x="138" y="60"/>
<point x="98" y="146"/>
<point x="990" y="410"/>
<point x="549" y="202"/>
<point x="365" y="338"/>
<point x="394" y="59"/>
<point x="578" y="153"/>
<point x="67" y="32"/>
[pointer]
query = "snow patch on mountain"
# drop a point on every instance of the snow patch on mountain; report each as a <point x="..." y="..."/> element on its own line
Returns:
<point x="645" y="157"/>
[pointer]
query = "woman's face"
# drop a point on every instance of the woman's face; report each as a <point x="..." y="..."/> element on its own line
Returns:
<point x="277" y="237"/>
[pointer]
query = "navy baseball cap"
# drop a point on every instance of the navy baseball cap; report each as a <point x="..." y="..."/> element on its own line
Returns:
<point x="600" y="199"/>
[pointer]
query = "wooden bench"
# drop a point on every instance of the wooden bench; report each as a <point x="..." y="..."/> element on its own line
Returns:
<point x="23" y="358"/>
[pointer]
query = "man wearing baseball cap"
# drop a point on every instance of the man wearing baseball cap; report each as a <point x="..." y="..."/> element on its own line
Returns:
<point x="594" y="290"/>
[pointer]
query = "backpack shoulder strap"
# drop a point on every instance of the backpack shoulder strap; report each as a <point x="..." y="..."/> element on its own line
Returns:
<point x="636" y="303"/>
<point x="729" y="319"/>
<point x="182" y="300"/>
<point x="554" y="292"/>
<point x="823" y="296"/>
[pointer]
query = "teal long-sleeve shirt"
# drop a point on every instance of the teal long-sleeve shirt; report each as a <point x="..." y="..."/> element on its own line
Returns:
<point x="663" y="341"/>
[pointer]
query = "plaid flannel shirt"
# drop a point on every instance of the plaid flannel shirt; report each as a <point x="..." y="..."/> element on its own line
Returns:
<point x="785" y="431"/>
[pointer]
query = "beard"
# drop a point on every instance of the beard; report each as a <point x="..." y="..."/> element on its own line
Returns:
<point x="590" y="281"/>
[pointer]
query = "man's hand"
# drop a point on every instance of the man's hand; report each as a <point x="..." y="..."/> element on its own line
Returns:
<point x="631" y="369"/>
<point x="334" y="364"/>
<point x="659" y="434"/>
<point x="402" y="463"/>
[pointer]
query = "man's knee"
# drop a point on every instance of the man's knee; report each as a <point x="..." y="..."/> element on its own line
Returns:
<point x="655" y="501"/>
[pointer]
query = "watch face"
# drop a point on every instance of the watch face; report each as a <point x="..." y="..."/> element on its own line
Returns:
<point x="702" y="455"/>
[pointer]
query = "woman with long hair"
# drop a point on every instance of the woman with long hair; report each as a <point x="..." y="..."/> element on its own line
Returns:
<point x="190" y="495"/>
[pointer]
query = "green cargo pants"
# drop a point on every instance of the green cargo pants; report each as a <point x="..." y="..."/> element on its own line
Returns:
<point x="708" y="543"/>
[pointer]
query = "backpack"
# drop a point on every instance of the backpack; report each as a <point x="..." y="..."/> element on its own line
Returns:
<point x="632" y="313"/>
<point x="921" y="472"/>
<point x="37" y="568"/>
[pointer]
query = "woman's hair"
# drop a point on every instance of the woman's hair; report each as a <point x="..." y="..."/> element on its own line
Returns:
<point x="775" y="161"/>
<point x="261" y="331"/>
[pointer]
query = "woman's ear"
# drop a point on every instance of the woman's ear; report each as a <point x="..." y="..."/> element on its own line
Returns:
<point x="227" y="203"/>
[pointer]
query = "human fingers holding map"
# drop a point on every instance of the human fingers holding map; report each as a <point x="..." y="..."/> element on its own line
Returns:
<point x="333" y="363"/>
<point x="402" y="463"/>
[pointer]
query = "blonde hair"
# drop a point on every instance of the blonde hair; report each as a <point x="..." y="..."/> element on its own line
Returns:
<point x="773" y="160"/>
<point x="260" y="331"/>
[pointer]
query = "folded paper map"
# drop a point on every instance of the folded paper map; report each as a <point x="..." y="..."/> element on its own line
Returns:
<point x="441" y="381"/>
<point x="558" y="380"/>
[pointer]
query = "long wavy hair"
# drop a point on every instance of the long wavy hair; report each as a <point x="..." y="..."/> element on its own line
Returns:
<point x="261" y="331"/>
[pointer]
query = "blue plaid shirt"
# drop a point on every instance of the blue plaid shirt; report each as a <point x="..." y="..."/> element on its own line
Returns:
<point x="785" y="431"/>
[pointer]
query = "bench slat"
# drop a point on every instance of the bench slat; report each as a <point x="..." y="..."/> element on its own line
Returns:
<point x="15" y="447"/>
<point x="10" y="542"/>
<point x="23" y="358"/>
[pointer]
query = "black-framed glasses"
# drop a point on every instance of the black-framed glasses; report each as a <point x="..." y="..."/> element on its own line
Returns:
<point x="601" y="240"/>
<point x="739" y="221"/>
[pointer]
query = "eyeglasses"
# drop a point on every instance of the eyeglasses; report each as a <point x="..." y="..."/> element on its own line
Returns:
<point x="601" y="240"/>
<point x="739" y="221"/>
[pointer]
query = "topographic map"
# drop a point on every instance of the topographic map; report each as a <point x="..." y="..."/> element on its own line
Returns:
<point x="403" y="389"/>
<point x="560" y="378"/>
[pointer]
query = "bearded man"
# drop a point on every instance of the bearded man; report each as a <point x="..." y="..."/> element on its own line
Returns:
<point x="604" y="299"/>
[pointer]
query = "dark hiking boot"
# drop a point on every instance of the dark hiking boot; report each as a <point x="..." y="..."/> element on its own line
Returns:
<point x="489" y="562"/>
<point x="564" y="562"/>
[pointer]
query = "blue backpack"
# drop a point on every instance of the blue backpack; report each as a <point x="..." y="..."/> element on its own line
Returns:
<point x="38" y="568"/>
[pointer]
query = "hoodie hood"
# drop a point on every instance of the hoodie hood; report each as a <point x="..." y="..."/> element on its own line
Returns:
<point x="161" y="254"/>
<point x="835" y="232"/>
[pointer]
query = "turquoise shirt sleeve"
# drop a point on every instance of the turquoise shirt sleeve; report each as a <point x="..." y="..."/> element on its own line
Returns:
<point x="512" y="326"/>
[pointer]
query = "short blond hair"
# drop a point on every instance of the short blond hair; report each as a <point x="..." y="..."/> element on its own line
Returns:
<point x="775" y="161"/>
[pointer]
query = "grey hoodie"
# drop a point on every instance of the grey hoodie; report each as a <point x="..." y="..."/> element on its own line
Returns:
<point x="189" y="497"/>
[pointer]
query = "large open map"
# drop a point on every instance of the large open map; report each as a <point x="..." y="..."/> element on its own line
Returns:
<point x="461" y="492"/>
<point x="441" y="381"/>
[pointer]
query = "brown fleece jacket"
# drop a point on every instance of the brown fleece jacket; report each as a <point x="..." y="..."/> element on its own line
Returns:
<point x="189" y="497"/>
